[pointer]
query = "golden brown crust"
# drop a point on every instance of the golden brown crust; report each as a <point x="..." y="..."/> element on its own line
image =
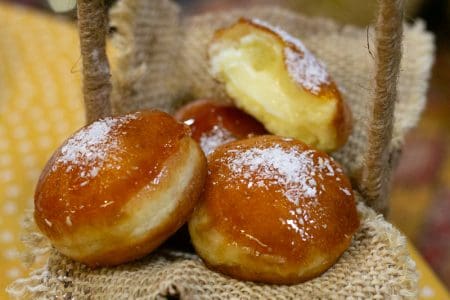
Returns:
<point x="289" y="276"/>
<point x="94" y="173"/>
<point x="100" y="199"/>
<point x="284" y="214"/>
<point x="173" y="221"/>
<point x="213" y="124"/>
<point x="343" y="122"/>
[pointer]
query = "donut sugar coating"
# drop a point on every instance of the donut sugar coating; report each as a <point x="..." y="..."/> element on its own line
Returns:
<point x="119" y="187"/>
<point x="275" y="78"/>
<point x="273" y="210"/>
<point x="214" y="124"/>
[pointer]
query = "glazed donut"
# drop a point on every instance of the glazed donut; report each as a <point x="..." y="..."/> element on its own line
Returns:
<point x="213" y="124"/>
<point x="119" y="187"/>
<point x="275" y="78"/>
<point x="273" y="210"/>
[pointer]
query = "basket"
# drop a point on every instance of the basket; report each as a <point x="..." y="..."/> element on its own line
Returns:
<point x="161" y="62"/>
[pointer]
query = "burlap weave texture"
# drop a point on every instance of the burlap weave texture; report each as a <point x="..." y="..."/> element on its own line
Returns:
<point x="376" y="266"/>
<point x="162" y="63"/>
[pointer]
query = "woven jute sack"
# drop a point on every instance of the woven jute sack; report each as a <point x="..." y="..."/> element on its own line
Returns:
<point x="162" y="63"/>
<point x="376" y="265"/>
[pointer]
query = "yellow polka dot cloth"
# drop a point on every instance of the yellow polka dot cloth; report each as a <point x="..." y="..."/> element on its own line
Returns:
<point x="40" y="105"/>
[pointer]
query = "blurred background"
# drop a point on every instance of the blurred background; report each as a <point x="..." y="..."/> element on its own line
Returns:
<point x="420" y="203"/>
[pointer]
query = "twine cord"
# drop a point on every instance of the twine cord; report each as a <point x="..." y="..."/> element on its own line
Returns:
<point x="375" y="181"/>
<point x="93" y="26"/>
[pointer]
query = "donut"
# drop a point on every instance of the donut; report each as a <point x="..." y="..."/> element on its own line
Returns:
<point x="213" y="124"/>
<point x="276" y="79"/>
<point x="119" y="187"/>
<point x="273" y="210"/>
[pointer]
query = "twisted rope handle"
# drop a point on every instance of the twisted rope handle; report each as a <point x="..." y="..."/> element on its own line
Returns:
<point x="375" y="176"/>
<point x="374" y="183"/>
<point x="93" y="27"/>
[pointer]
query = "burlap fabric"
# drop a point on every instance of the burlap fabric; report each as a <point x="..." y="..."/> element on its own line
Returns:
<point x="162" y="63"/>
<point x="376" y="266"/>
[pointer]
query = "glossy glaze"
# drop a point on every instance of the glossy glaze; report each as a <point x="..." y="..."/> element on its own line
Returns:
<point x="261" y="213"/>
<point x="93" y="174"/>
<point x="205" y="117"/>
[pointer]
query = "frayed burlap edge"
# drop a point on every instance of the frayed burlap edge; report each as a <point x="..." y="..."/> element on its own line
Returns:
<point x="377" y="265"/>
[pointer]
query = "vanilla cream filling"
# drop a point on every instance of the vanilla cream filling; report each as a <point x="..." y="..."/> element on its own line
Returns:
<point x="255" y="75"/>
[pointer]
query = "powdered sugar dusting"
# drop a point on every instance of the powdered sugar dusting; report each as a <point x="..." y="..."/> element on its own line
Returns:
<point x="209" y="141"/>
<point x="295" y="173"/>
<point x="306" y="70"/>
<point x="289" y="169"/>
<point x="68" y="221"/>
<point x="49" y="224"/>
<point x="89" y="148"/>
<point x="345" y="191"/>
<point x="292" y="169"/>
<point x="303" y="67"/>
